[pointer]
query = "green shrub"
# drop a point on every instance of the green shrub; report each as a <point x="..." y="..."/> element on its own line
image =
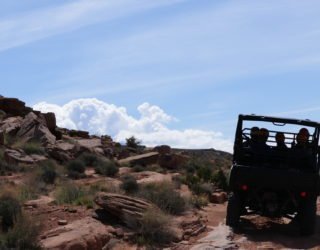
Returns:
<point x="204" y="173"/>
<point x="76" y="166"/>
<point x="89" y="159"/>
<point x="24" y="235"/>
<point x="69" y="194"/>
<point x="202" y="188"/>
<point x="220" y="180"/>
<point x="48" y="172"/>
<point x="76" y="169"/>
<point x="33" y="148"/>
<point x="10" y="209"/>
<point x="138" y="168"/>
<point x="9" y="140"/>
<point x="199" y="201"/>
<point x="155" y="228"/>
<point x="6" y="168"/>
<point x="133" y="142"/>
<point x="164" y="196"/>
<point x="107" y="168"/>
<point x="28" y="192"/>
<point x="129" y="184"/>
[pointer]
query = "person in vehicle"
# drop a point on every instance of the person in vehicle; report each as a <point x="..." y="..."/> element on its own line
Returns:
<point x="254" y="138"/>
<point x="280" y="140"/>
<point x="302" y="152"/>
<point x="263" y="138"/>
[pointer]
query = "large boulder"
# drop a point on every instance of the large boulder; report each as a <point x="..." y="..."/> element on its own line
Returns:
<point x="51" y="121"/>
<point x="172" y="161"/>
<point x="127" y="209"/>
<point x="163" y="149"/>
<point x="62" y="151"/>
<point x="79" y="133"/>
<point x="13" y="106"/>
<point x="11" y="125"/>
<point x="34" y="127"/>
<point x="83" y="234"/>
<point x="93" y="145"/>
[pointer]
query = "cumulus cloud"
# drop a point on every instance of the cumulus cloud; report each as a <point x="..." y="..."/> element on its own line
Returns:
<point x="152" y="127"/>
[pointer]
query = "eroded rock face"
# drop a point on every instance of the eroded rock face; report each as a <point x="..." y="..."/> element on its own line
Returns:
<point x="172" y="161"/>
<point x="83" y="234"/>
<point x="11" y="125"/>
<point x="35" y="128"/>
<point x="125" y="208"/>
<point x="12" y="156"/>
<point x="13" y="106"/>
<point x="51" y="121"/>
<point x="163" y="149"/>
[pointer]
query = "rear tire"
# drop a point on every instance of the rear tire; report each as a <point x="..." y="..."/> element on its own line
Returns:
<point x="307" y="217"/>
<point x="233" y="210"/>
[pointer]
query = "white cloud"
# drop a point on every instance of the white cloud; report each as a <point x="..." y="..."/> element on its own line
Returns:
<point x="151" y="127"/>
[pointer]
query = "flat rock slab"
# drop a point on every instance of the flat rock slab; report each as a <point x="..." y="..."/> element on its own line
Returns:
<point x="43" y="200"/>
<point x="89" y="143"/>
<point x="148" y="158"/>
<point x="146" y="177"/>
<point x="83" y="234"/>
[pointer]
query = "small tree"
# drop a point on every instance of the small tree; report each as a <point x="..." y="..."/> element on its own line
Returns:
<point x="133" y="142"/>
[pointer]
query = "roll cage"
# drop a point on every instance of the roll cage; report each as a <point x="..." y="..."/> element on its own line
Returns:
<point x="243" y="134"/>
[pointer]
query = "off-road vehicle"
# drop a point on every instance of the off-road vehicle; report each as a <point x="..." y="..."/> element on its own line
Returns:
<point x="271" y="182"/>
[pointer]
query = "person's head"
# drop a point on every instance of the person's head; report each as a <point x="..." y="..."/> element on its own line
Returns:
<point x="254" y="133"/>
<point x="264" y="134"/>
<point x="280" y="138"/>
<point x="303" y="136"/>
<point x="304" y="132"/>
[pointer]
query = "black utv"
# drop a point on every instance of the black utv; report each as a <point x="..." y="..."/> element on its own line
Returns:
<point x="275" y="170"/>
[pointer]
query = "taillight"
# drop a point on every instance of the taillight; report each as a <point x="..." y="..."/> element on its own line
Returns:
<point x="303" y="194"/>
<point x="244" y="187"/>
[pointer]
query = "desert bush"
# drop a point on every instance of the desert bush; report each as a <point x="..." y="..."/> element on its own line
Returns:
<point x="138" y="168"/>
<point x="9" y="140"/>
<point x="107" y="168"/>
<point x="76" y="169"/>
<point x="76" y="166"/>
<point x="48" y="172"/>
<point x="204" y="173"/>
<point x="154" y="228"/>
<point x="129" y="184"/>
<point x="220" y="180"/>
<point x="89" y="159"/>
<point x="202" y="188"/>
<point x="132" y="142"/>
<point x="199" y="201"/>
<point x="33" y="148"/>
<point x="10" y="209"/>
<point x="164" y="196"/>
<point x="24" y="235"/>
<point x="69" y="194"/>
<point x="27" y="192"/>
<point x="6" y="168"/>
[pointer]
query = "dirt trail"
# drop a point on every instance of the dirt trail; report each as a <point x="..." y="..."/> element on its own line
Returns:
<point x="255" y="232"/>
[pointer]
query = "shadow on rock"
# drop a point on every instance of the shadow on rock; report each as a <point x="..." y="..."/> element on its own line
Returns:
<point x="281" y="232"/>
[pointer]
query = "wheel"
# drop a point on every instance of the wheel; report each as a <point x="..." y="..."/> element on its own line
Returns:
<point x="233" y="210"/>
<point x="307" y="217"/>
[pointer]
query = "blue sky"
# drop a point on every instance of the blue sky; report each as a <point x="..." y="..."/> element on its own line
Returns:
<point x="201" y="62"/>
